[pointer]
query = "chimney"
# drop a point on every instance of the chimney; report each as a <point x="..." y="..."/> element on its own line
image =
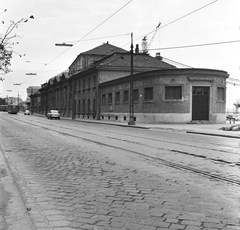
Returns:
<point x="137" y="49"/>
<point x="158" y="56"/>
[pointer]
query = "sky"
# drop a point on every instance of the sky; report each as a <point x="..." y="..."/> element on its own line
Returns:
<point x="89" y="23"/>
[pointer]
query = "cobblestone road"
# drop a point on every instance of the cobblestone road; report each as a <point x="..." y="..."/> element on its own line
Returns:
<point x="73" y="184"/>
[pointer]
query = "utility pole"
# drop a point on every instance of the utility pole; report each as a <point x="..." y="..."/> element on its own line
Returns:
<point x="131" y="103"/>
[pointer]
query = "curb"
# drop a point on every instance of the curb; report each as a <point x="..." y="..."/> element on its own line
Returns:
<point x="213" y="134"/>
<point x="154" y="128"/>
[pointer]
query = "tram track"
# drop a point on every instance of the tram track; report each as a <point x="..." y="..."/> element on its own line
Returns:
<point x="154" y="159"/>
<point x="160" y="160"/>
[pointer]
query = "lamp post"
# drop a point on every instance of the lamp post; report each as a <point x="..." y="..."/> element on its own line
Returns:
<point x="63" y="44"/>
<point x="131" y="104"/>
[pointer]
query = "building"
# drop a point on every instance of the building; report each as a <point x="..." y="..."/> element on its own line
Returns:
<point x="96" y="86"/>
<point x="167" y="96"/>
<point x="76" y="93"/>
<point x="31" y="102"/>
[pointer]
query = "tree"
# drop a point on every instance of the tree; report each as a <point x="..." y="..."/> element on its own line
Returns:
<point x="237" y="104"/>
<point x="6" y="44"/>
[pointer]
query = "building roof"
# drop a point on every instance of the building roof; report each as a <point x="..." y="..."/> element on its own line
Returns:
<point x="140" y="61"/>
<point x="104" y="49"/>
<point x="192" y="73"/>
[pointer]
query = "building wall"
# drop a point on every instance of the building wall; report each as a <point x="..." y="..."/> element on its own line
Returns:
<point x="160" y="109"/>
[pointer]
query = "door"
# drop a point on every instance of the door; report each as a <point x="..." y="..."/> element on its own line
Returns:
<point x="200" y="103"/>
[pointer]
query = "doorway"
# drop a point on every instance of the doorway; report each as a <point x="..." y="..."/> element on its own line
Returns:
<point x="200" y="103"/>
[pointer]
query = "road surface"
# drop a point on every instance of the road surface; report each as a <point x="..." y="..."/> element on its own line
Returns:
<point x="76" y="175"/>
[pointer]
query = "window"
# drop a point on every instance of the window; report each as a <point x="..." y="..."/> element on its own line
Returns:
<point x="79" y="86"/>
<point x="125" y="96"/>
<point x="88" y="107"/>
<point x="135" y="95"/>
<point x="117" y="97"/>
<point x="94" y="106"/>
<point x="94" y="81"/>
<point x="173" y="92"/>
<point x="221" y="94"/>
<point x="75" y="87"/>
<point x="83" y="104"/>
<point x="84" y="84"/>
<point x="148" y="93"/>
<point x="110" y="98"/>
<point x="89" y="83"/>
<point x="103" y="99"/>
<point x="79" y="106"/>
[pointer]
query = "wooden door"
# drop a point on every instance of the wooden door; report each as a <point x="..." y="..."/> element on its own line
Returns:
<point x="200" y="103"/>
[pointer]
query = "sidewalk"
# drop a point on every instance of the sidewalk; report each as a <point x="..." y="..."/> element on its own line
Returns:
<point x="203" y="129"/>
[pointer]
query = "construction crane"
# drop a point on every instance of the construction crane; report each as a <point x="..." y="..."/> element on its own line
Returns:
<point x="145" y="45"/>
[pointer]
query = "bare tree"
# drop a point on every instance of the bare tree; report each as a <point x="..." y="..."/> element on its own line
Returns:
<point x="6" y="44"/>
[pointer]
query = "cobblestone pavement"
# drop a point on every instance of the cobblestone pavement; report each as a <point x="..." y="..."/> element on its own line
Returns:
<point x="73" y="184"/>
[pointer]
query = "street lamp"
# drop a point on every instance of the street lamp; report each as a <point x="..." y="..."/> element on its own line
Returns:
<point x="131" y="104"/>
<point x="63" y="44"/>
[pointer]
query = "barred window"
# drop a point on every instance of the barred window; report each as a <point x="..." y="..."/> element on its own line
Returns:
<point x="84" y="84"/>
<point x="173" y="92"/>
<point x="135" y="95"/>
<point x="125" y="96"/>
<point x="221" y="94"/>
<point x="148" y="93"/>
<point x="89" y="83"/>
<point x="110" y="98"/>
<point x="83" y="106"/>
<point x="79" y="85"/>
<point x="103" y="99"/>
<point x="94" y="81"/>
<point x="117" y="97"/>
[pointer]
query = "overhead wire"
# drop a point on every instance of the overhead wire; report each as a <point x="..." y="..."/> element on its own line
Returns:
<point x="196" y="45"/>
<point x="83" y="36"/>
<point x="175" y="20"/>
<point x="134" y="39"/>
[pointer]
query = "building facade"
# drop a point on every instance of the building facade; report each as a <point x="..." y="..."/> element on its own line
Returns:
<point x="167" y="96"/>
<point x="96" y="86"/>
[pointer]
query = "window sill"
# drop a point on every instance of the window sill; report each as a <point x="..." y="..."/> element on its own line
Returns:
<point x="150" y="101"/>
<point x="173" y="100"/>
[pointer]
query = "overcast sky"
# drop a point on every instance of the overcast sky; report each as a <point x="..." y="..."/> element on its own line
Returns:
<point x="89" y="23"/>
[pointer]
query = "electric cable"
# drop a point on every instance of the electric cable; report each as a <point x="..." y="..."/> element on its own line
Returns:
<point x="196" y="45"/>
<point x="83" y="37"/>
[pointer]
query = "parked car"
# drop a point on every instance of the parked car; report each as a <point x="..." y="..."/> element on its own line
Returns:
<point x="27" y="112"/>
<point x="53" y="114"/>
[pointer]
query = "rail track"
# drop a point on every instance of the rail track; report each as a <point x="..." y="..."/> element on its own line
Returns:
<point x="156" y="159"/>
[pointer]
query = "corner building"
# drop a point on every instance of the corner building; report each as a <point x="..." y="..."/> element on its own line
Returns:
<point x="97" y="84"/>
<point x="168" y="96"/>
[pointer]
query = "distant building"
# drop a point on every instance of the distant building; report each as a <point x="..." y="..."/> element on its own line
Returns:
<point x="31" y="90"/>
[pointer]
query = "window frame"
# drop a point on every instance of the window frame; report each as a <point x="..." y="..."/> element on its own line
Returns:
<point x="117" y="96"/>
<point x="173" y="98"/>
<point x="135" y="99"/>
<point x="126" y="100"/>
<point x="103" y="99"/>
<point x="110" y="98"/>
<point x="145" y="94"/>
<point x="223" y="94"/>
